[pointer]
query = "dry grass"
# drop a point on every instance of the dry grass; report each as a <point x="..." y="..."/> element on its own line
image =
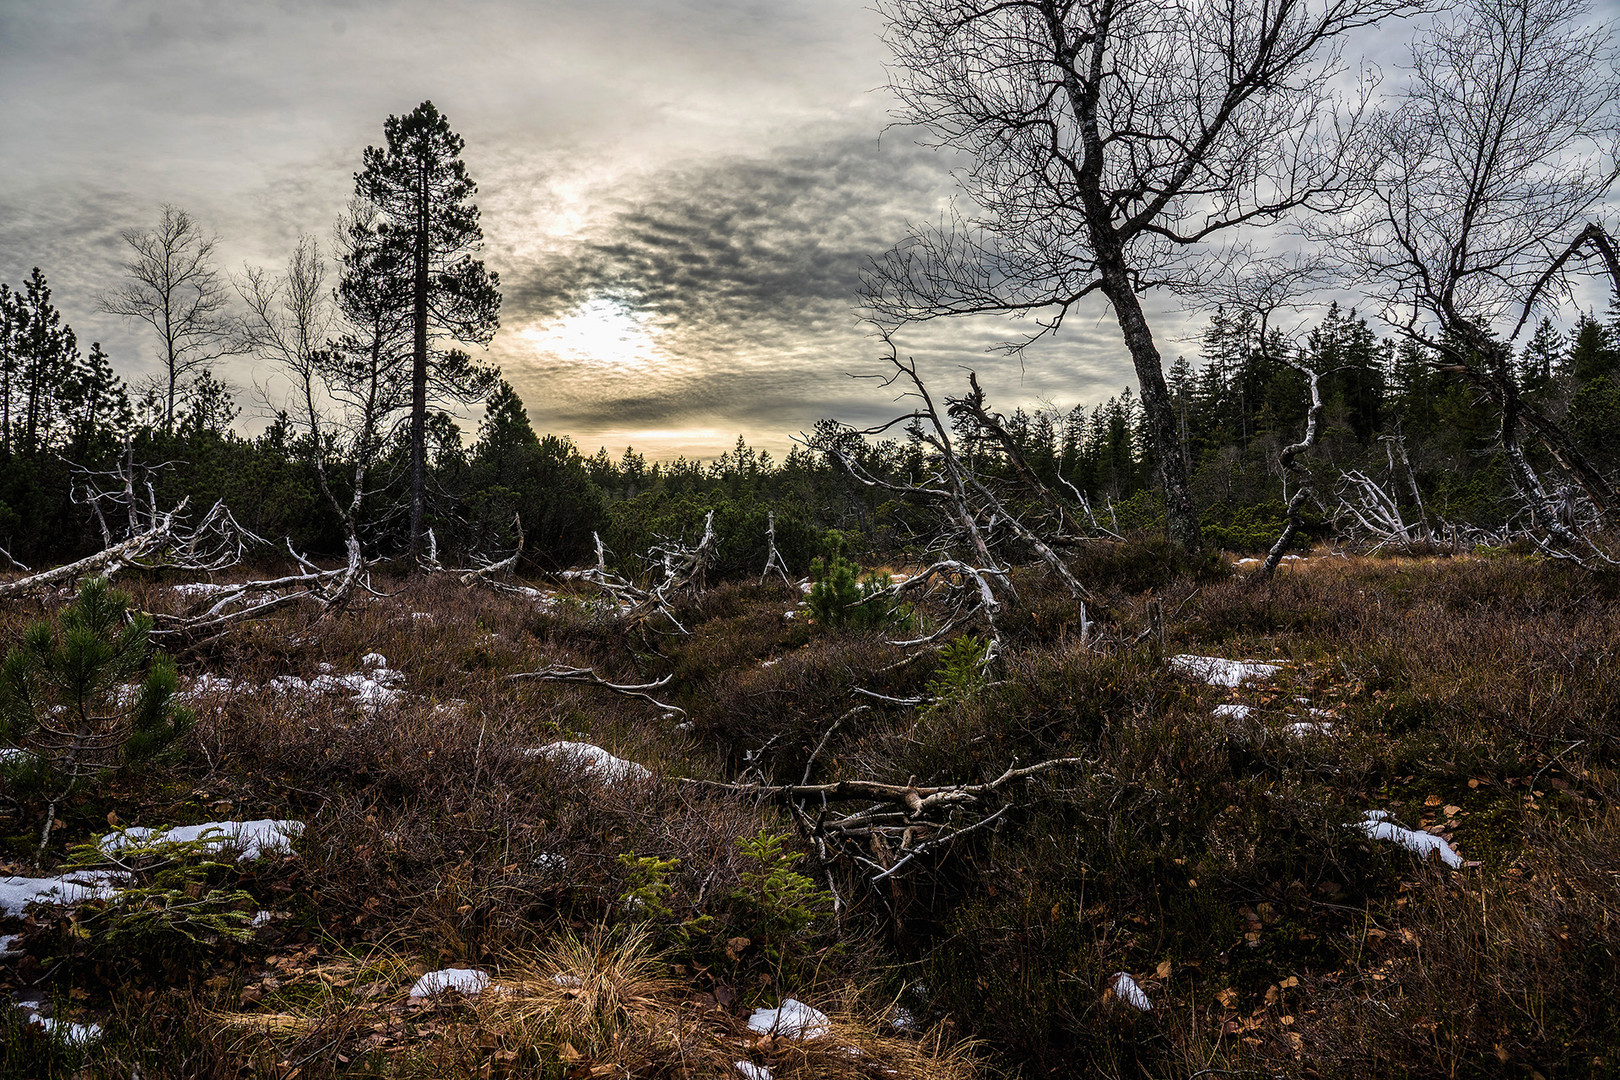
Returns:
<point x="1208" y="857"/>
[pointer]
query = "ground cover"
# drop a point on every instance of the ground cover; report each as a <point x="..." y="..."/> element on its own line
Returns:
<point x="624" y="885"/>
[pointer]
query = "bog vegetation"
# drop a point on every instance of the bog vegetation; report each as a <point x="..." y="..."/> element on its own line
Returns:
<point x="1263" y="720"/>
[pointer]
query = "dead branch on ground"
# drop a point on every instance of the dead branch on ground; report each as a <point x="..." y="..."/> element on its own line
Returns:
<point x="588" y="677"/>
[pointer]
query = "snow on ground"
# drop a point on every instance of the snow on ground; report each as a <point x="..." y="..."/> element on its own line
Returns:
<point x="376" y="685"/>
<point x="1232" y="712"/>
<point x="1378" y="826"/>
<point x="1217" y="671"/>
<point x="8" y="946"/>
<point x="70" y="1033"/>
<point x="252" y="838"/>
<point x="16" y="893"/>
<point x="754" y="1072"/>
<point x="793" y="1020"/>
<point x="1304" y="729"/>
<point x="206" y="685"/>
<point x="466" y="980"/>
<point x="1129" y="992"/>
<point x="592" y="760"/>
<point x="11" y="755"/>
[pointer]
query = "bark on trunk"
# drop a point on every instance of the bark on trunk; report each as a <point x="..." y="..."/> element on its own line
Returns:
<point x="1180" y="513"/>
<point x="419" y="370"/>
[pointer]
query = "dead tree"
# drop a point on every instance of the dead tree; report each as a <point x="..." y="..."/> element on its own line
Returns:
<point x="103" y="563"/>
<point x="1303" y="489"/>
<point x="773" y="557"/>
<point x="975" y="519"/>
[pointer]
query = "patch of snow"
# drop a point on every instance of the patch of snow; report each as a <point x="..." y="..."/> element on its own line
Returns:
<point x="466" y="980"/>
<point x="206" y="685"/>
<point x="903" y="1020"/>
<point x="1247" y="562"/>
<point x="793" y="1020"/>
<point x="805" y="586"/>
<point x="16" y="893"/>
<point x="1217" y="671"/>
<point x="1232" y="712"/>
<point x="771" y="662"/>
<point x="252" y="838"/>
<point x="1303" y="729"/>
<point x="548" y="861"/>
<point x="11" y="755"/>
<point x="374" y="660"/>
<point x="570" y="981"/>
<point x="1130" y="993"/>
<point x="70" y="1033"/>
<point x="1377" y="825"/>
<point x="592" y="760"/>
<point x="789" y="614"/>
<point x="259" y="918"/>
<point x="8" y="946"/>
<point x="421" y="614"/>
<point x="754" y="1072"/>
<point x="289" y="684"/>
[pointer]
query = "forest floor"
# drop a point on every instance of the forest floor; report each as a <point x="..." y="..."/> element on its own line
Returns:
<point x="1205" y="850"/>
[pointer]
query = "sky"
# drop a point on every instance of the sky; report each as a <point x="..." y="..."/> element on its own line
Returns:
<point x="678" y="195"/>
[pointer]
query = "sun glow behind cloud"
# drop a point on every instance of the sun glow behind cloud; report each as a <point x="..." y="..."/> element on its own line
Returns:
<point x="604" y="332"/>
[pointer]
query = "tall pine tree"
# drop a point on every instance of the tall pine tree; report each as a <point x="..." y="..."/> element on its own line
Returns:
<point x="426" y="233"/>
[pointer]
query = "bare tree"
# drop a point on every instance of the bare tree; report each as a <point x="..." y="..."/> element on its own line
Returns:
<point x="1111" y="140"/>
<point x="1505" y="138"/>
<point x="175" y="289"/>
<point x="349" y="391"/>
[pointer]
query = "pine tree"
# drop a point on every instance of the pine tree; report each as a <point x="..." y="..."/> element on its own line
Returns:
<point x="48" y="352"/>
<point x="426" y="234"/>
<point x="67" y="699"/>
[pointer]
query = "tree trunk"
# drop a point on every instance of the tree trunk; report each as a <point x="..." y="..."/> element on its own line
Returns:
<point x="1109" y="249"/>
<point x="419" y="367"/>
<point x="1180" y="514"/>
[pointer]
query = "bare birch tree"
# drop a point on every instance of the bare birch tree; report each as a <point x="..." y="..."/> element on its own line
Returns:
<point x="175" y="289"/>
<point x="1111" y="142"/>
<point x="1504" y="141"/>
<point x="346" y="355"/>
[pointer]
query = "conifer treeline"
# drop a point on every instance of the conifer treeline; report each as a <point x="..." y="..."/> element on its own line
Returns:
<point x="66" y="414"/>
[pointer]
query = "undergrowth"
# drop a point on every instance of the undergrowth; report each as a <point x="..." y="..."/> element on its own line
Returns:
<point x="1215" y="857"/>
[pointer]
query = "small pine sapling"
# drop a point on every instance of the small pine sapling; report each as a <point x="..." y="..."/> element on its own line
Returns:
<point x="70" y="702"/>
<point x="961" y="671"/>
<point x="837" y="598"/>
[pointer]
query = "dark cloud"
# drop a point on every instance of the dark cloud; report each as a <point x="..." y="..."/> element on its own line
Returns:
<point x="750" y="270"/>
<point x="714" y="166"/>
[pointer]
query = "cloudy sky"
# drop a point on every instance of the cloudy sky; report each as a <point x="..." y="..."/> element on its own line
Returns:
<point x="677" y="194"/>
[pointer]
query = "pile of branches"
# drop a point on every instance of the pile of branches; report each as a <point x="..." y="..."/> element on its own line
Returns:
<point x="982" y="523"/>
